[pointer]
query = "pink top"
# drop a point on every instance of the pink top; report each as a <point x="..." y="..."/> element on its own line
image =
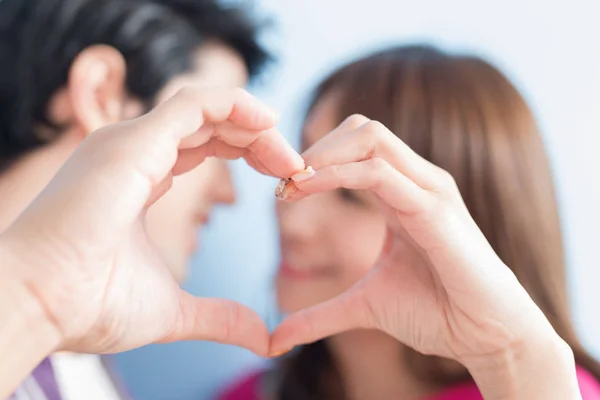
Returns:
<point x="248" y="389"/>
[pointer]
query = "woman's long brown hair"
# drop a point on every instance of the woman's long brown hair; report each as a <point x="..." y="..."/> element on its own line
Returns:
<point x="462" y="114"/>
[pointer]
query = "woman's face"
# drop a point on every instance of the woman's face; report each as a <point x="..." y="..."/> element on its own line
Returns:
<point x="330" y="240"/>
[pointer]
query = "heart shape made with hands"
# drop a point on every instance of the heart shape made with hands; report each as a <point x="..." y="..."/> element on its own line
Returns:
<point x="434" y="287"/>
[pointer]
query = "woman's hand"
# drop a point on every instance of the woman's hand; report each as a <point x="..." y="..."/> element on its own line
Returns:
<point x="437" y="286"/>
<point x="81" y="249"/>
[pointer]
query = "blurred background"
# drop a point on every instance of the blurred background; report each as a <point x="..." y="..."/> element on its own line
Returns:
<point x="550" y="49"/>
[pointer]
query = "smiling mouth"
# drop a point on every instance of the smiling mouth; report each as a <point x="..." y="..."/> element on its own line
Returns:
<point x="286" y="271"/>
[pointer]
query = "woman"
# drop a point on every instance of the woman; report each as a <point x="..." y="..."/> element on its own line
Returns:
<point x="462" y="115"/>
<point x="70" y="67"/>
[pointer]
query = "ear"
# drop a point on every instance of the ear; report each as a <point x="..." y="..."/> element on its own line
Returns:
<point x="96" y="87"/>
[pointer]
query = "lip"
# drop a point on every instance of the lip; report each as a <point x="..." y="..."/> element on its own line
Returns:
<point x="289" y="272"/>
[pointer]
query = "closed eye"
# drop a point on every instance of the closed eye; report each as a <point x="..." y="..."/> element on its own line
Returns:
<point x="349" y="196"/>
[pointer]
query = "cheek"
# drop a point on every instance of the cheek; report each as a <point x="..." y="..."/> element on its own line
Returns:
<point x="358" y="247"/>
<point x="166" y="223"/>
<point x="171" y="220"/>
<point x="170" y="210"/>
<point x="349" y="244"/>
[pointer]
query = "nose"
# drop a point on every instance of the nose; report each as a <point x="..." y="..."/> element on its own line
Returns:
<point x="300" y="220"/>
<point x="224" y="191"/>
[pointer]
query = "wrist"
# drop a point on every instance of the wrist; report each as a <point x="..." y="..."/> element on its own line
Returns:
<point x="27" y="334"/>
<point x="541" y="366"/>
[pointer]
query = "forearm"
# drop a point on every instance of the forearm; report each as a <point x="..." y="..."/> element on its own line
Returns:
<point x="26" y="336"/>
<point x="541" y="368"/>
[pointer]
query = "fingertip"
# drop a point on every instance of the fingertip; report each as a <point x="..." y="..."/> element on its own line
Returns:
<point x="279" y="353"/>
<point x="259" y="346"/>
<point x="295" y="162"/>
<point x="303" y="175"/>
<point x="222" y="321"/>
<point x="281" y="340"/>
<point x="252" y="333"/>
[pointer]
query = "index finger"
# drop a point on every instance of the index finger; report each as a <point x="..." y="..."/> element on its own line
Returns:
<point x="150" y="142"/>
<point x="188" y="110"/>
<point x="373" y="139"/>
<point x="233" y="117"/>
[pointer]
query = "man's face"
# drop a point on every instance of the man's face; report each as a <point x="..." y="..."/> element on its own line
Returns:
<point x="173" y="222"/>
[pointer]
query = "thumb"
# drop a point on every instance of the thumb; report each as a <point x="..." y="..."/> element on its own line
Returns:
<point x="219" y="320"/>
<point x="342" y="313"/>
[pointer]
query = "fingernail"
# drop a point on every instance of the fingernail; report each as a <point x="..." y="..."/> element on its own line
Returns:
<point x="285" y="188"/>
<point x="305" y="175"/>
<point x="279" y="353"/>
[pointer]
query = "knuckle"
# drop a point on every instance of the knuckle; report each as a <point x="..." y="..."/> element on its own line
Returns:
<point x="378" y="165"/>
<point x="377" y="132"/>
<point x="446" y="181"/>
<point x="439" y="210"/>
<point x="189" y="93"/>
<point x="379" y="168"/>
<point x="337" y="173"/>
<point x="370" y="135"/>
<point x="355" y="121"/>
<point x="375" y="128"/>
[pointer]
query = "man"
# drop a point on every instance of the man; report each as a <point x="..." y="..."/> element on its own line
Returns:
<point x="79" y="272"/>
<point x="70" y="67"/>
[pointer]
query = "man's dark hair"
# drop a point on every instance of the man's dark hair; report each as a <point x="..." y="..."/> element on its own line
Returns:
<point x="39" y="40"/>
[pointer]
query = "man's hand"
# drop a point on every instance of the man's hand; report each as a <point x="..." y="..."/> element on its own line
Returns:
<point x="81" y="247"/>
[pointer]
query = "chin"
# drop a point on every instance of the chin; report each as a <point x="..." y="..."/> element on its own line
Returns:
<point x="179" y="270"/>
<point x="287" y="307"/>
<point x="291" y="298"/>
